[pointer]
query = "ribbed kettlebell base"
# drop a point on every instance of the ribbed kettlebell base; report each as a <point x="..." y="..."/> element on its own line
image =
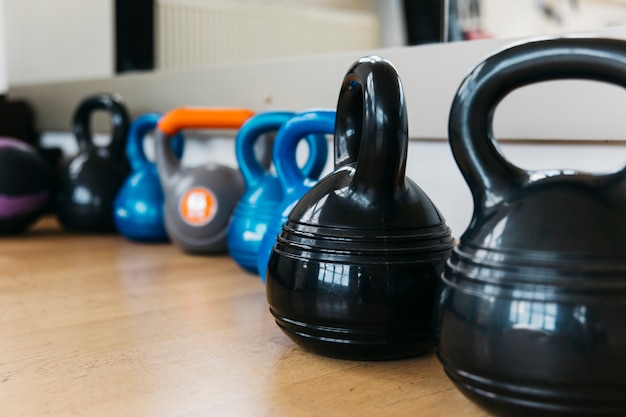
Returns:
<point x="357" y="343"/>
<point x="535" y="334"/>
<point x="357" y="294"/>
<point x="511" y="399"/>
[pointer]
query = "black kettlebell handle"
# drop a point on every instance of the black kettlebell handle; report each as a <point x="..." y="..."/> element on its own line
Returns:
<point x="371" y="125"/>
<point x="488" y="173"/>
<point x="120" y="123"/>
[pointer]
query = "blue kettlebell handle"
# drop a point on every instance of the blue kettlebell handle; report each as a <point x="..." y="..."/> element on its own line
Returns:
<point x="141" y="126"/>
<point x="313" y="125"/>
<point x="248" y="134"/>
<point x="253" y="128"/>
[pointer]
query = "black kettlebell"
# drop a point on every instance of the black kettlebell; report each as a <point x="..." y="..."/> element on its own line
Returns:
<point x="90" y="181"/>
<point x="532" y="310"/>
<point x="353" y="271"/>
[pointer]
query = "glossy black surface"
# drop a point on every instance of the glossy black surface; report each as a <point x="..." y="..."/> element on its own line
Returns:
<point x="353" y="272"/>
<point x="90" y="181"/>
<point x="532" y="309"/>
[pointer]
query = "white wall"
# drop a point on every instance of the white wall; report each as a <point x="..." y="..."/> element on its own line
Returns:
<point x="62" y="40"/>
<point x="53" y="40"/>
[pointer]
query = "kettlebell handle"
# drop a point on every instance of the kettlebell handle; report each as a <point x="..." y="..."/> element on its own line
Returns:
<point x="371" y="127"/>
<point x="251" y="169"/>
<point x="120" y="121"/>
<point x="253" y="128"/>
<point x="488" y="173"/>
<point x="312" y="125"/>
<point x="181" y="118"/>
<point x="140" y="127"/>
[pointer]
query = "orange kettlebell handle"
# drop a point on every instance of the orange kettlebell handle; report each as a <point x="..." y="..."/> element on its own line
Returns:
<point x="202" y="118"/>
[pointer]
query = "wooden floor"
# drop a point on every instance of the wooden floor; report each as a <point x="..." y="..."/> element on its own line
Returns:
<point x="100" y="326"/>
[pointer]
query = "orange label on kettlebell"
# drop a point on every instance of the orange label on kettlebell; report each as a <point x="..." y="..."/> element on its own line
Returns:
<point x="198" y="206"/>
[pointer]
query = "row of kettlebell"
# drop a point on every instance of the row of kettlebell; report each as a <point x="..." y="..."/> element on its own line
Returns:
<point x="214" y="208"/>
<point x="526" y="311"/>
<point x="205" y="209"/>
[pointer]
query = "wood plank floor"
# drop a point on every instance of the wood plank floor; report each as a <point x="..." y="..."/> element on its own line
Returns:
<point x="96" y="325"/>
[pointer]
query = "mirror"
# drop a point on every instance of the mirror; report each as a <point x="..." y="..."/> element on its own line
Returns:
<point x="478" y="19"/>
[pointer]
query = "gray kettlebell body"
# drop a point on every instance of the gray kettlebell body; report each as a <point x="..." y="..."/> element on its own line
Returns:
<point x="199" y="201"/>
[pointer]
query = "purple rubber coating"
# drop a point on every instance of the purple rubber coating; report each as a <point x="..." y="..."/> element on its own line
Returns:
<point x="11" y="206"/>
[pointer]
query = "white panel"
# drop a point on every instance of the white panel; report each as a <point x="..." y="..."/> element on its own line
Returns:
<point x="55" y="40"/>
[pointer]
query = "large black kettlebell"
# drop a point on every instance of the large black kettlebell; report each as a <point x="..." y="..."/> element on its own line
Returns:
<point x="90" y="181"/>
<point x="532" y="312"/>
<point x="353" y="271"/>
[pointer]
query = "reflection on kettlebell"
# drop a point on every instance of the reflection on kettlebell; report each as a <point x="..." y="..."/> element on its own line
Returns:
<point x="138" y="208"/>
<point x="354" y="269"/>
<point x="24" y="185"/>
<point x="531" y="314"/>
<point x="199" y="201"/>
<point x="90" y="181"/>
<point x="293" y="182"/>
<point x="263" y="193"/>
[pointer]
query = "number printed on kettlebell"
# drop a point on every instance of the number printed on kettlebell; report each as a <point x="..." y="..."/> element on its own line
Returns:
<point x="197" y="206"/>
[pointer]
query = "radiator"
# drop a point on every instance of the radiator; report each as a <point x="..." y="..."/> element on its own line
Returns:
<point x="198" y="33"/>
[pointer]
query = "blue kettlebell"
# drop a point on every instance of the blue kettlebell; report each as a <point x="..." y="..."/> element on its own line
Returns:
<point x="138" y="208"/>
<point x="257" y="206"/>
<point x="293" y="183"/>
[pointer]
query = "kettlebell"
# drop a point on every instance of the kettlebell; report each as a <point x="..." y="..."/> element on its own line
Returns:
<point x="352" y="274"/>
<point x="25" y="186"/>
<point x="294" y="182"/>
<point x="138" y="207"/>
<point x="199" y="201"/>
<point x="263" y="193"/>
<point x="89" y="182"/>
<point x="532" y="306"/>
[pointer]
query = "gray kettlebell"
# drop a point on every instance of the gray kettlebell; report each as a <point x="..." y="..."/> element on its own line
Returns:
<point x="199" y="201"/>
